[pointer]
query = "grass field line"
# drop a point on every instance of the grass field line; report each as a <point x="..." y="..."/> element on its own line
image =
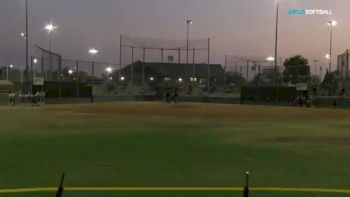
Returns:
<point x="175" y="189"/>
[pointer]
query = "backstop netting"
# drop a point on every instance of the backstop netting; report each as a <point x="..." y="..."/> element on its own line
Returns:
<point x="70" y="77"/>
<point x="149" y="65"/>
<point x="46" y="64"/>
<point x="250" y="69"/>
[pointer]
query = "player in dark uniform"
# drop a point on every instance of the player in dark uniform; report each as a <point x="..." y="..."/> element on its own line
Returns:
<point x="167" y="97"/>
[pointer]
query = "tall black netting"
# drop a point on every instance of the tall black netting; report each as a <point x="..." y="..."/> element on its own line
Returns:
<point x="46" y="64"/>
<point x="149" y="65"/>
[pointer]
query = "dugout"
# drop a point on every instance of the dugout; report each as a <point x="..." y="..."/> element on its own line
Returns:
<point x="268" y="94"/>
<point x="68" y="89"/>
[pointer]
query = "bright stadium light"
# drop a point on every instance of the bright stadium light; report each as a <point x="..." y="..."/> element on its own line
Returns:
<point x="93" y="51"/>
<point x="110" y="78"/>
<point x="50" y="27"/>
<point x="151" y="78"/>
<point x="23" y="35"/>
<point x="35" y="60"/>
<point x="122" y="78"/>
<point x="327" y="56"/>
<point x="11" y="66"/>
<point x="332" y="23"/>
<point x="270" y="59"/>
<point x="109" y="70"/>
<point x="180" y="79"/>
<point x="70" y="71"/>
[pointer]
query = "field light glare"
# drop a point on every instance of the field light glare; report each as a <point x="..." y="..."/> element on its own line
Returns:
<point x="270" y="59"/>
<point x="50" y="27"/>
<point x="93" y="51"/>
<point x="35" y="60"/>
<point x="180" y="79"/>
<point x="109" y="69"/>
<point x="327" y="56"/>
<point x="122" y="78"/>
<point x="151" y="78"/>
<point x="70" y="71"/>
<point x="11" y="66"/>
<point x="332" y="23"/>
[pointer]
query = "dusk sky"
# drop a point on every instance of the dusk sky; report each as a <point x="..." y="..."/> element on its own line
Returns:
<point x="239" y="27"/>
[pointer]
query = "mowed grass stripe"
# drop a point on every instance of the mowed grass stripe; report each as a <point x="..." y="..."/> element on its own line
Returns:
<point x="176" y="189"/>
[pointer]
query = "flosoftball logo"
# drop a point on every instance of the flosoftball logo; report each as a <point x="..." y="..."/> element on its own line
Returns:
<point x="309" y="12"/>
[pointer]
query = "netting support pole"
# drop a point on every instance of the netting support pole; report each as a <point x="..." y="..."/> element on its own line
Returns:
<point x="193" y="65"/>
<point x="132" y="67"/>
<point x="31" y="64"/>
<point x="259" y="71"/>
<point x="92" y="69"/>
<point x="92" y="78"/>
<point x="32" y="74"/>
<point x="27" y="46"/>
<point x="225" y="72"/>
<point x="247" y="71"/>
<point x="208" y="65"/>
<point x="143" y="66"/>
<point x="42" y="66"/>
<point x="50" y="57"/>
<point x="77" y="75"/>
<point x="59" y="77"/>
<point x="120" y="60"/>
<point x="162" y="53"/>
<point x="179" y="56"/>
<point x="236" y="72"/>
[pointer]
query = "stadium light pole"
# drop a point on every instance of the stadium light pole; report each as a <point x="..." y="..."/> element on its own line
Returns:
<point x="26" y="36"/>
<point x="188" y="37"/>
<point x="50" y="28"/>
<point x="332" y="24"/>
<point x="7" y="71"/>
<point x="109" y="71"/>
<point x="93" y="52"/>
<point x="276" y="36"/>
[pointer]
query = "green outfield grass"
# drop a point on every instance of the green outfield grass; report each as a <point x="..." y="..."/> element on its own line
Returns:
<point x="156" y="144"/>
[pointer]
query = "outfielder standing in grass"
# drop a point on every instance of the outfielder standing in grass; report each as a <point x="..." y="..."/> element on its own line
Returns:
<point x="12" y="96"/>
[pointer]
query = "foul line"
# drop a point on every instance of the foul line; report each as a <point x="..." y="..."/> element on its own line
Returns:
<point x="175" y="189"/>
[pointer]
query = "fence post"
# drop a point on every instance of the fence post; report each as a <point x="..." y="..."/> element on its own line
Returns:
<point x="246" y="187"/>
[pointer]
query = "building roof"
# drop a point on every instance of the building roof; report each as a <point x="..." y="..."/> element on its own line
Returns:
<point x="180" y="70"/>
